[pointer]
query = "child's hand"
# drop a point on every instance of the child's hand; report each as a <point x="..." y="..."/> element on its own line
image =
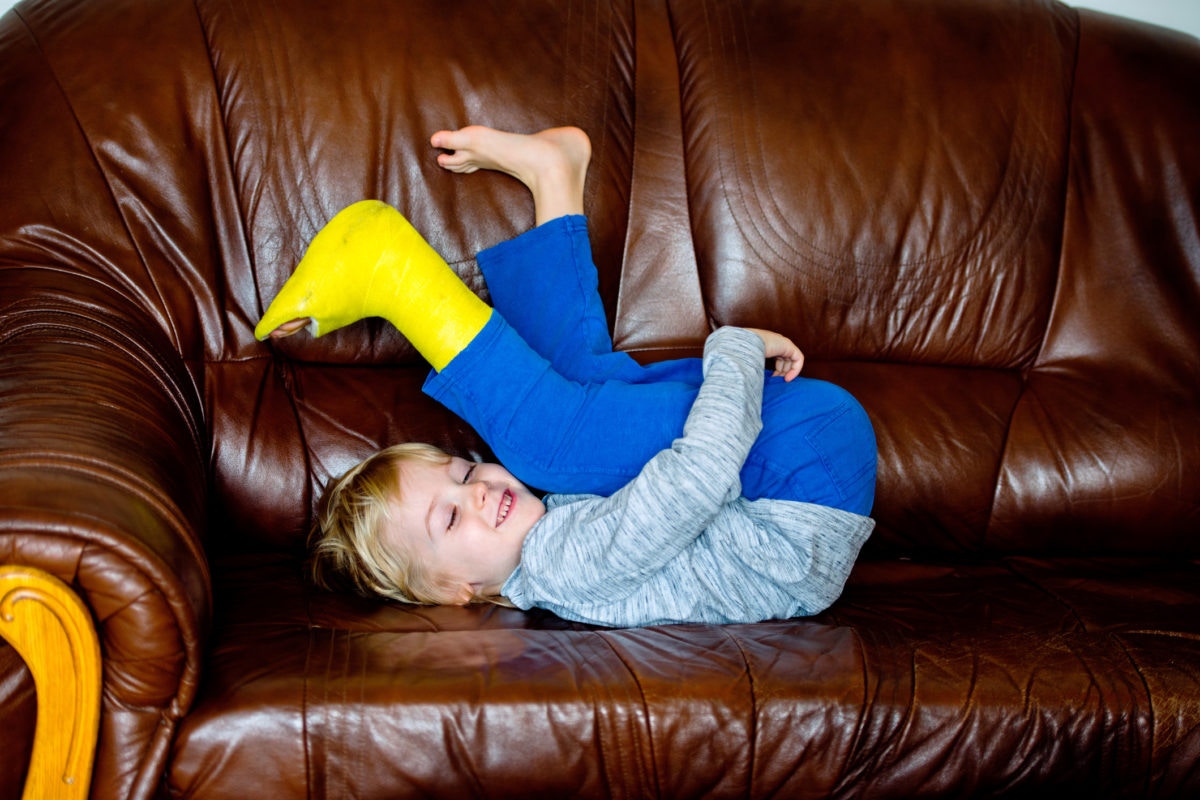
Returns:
<point x="788" y="358"/>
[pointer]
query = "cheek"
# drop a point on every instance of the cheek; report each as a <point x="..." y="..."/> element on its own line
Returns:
<point x="468" y="544"/>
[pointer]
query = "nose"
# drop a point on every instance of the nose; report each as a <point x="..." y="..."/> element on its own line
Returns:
<point x="478" y="491"/>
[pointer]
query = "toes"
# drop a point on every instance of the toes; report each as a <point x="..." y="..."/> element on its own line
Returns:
<point x="450" y="140"/>
<point x="286" y="329"/>
<point x="456" y="162"/>
<point x="289" y="328"/>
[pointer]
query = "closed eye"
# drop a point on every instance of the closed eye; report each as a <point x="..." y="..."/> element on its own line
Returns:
<point x="454" y="511"/>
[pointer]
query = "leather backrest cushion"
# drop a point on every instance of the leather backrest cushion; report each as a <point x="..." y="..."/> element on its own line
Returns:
<point x="1104" y="447"/>
<point x="882" y="180"/>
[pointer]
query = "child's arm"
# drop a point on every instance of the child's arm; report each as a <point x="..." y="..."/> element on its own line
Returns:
<point x="612" y="544"/>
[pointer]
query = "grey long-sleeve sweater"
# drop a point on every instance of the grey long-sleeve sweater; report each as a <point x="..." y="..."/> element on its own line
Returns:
<point x="679" y="543"/>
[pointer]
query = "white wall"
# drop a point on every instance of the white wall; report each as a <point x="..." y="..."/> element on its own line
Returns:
<point x="1181" y="14"/>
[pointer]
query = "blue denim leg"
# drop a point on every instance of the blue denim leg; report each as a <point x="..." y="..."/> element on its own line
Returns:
<point x="565" y="413"/>
<point x="544" y="283"/>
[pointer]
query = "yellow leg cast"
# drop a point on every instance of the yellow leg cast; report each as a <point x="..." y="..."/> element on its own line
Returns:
<point x="368" y="261"/>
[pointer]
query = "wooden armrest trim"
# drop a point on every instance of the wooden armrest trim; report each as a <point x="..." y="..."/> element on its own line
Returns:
<point x="52" y="630"/>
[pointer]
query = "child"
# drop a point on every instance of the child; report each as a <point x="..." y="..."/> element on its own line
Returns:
<point x="716" y="525"/>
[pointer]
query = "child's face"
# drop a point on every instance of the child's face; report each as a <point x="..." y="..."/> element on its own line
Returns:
<point x="464" y="520"/>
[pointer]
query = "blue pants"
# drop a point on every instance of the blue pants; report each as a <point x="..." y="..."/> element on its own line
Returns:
<point x="565" y="413"/>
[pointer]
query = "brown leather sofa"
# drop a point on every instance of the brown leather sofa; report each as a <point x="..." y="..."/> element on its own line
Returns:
<point x="980" y="216"/>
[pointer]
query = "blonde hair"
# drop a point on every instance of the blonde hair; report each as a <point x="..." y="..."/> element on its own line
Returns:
<point x="345" y="546"/>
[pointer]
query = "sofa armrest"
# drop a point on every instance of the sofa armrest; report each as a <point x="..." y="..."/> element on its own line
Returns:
<point x="103" y="484"/>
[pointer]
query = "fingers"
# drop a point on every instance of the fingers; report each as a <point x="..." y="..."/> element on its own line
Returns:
<point x="789" y="368"/>
<point x="788" y="358"/>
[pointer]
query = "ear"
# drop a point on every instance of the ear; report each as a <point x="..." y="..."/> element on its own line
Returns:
<point x="463" y="594"/>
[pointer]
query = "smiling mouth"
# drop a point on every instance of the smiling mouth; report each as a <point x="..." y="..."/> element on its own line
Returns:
<point x="506" y="503"/>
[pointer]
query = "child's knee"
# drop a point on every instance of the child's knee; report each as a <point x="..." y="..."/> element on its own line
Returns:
<point x="819" y="445"/>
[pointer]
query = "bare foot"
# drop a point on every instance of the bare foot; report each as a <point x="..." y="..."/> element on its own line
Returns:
<point x="552" y="163"/>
